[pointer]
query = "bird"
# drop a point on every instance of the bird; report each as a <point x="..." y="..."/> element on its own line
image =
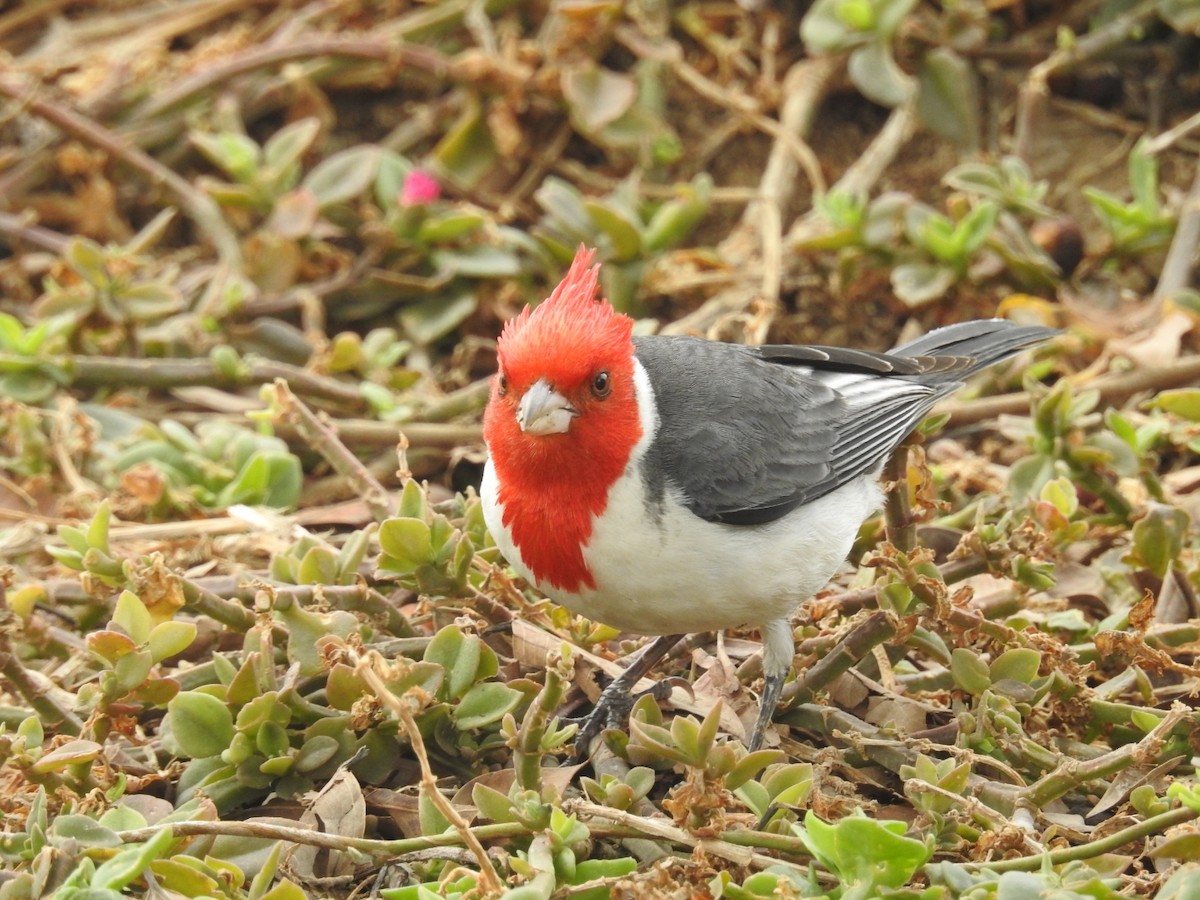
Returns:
<point x="666" y="485"/>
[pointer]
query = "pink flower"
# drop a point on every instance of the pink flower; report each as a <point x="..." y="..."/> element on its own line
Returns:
<point x="419" y="188"/>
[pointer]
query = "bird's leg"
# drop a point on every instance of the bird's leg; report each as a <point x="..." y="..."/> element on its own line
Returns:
<point x="778" y="649"/>
<point x="614" y="700"/>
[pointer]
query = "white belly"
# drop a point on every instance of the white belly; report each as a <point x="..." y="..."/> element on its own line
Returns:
<point x="676" y="572"/>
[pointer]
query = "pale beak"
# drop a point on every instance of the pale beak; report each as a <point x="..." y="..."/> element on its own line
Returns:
<point x="544" y="410"/>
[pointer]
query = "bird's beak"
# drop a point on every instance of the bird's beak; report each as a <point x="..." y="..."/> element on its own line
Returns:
<point x="544" y="410"/>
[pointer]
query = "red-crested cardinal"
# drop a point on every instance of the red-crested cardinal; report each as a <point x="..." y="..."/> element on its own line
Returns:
<point x="666" y="485"/>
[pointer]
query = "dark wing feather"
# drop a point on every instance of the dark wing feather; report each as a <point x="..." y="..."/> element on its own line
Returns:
<point x="755" y="432"/>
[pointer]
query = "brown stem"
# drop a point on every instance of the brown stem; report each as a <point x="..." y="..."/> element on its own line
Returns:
<point x="202" y="208"/>
<point x="874" y="630"/>
<point x="952" y="572"/>
<point x="218" y="608"/>
<point x="323" y="439"/>
<point x="865" y="171"/>
<point x="897" y="511"/>
<point x="366" y="668"/>
<point x="54" y="717"/>
<point x="1073" y="774"/>
<point x="1035" y="89"/>
<point x="297" y="835"/>
<point x="424" y="58"/>
<point x="807" y="82"/>
<point x="19" y="231"/>
<point x="1114" y="390"/>
<point x="109" y="371"/>
<point x="1177" y="268"/>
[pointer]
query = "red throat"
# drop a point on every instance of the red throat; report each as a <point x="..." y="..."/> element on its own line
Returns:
<point x="552" y="486"/>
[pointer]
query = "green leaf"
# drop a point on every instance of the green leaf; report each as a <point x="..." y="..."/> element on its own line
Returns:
<point x="976" y="227"/>
<point x="390" y="175"/>
<point x="1143" y="179"/>
<point x="319" y="566"/>
<point x="88" y="260"/>
<point x="1062" y="494"/>
<point x="97" y="533"/>
<point x="591" y="869"/>
<point x="413" y="502"/>
<point x="750" y="765"/>
<point x="467" y="152"/>
<point x="563" y="202"/>
<point x="271" y="740"/>
<point x="477" y="262"/>
<point x="149" y="301"/>
<point x="1027" y="476"/>
<point x="406" y="544"/>
<point x="824" y="29"/>
<point x="1158" y="537"/>
<point x="1184" y="846"/>
<point x="431" y="817"/>
<point x="1183" y="402"/>
<point x="459" y="654"/>
<point x="201" y="724"/>
<point x="268" y="478"/>
<point x="235" y="154"/>
<point x="596" y="96"/>
<point x="622" y="233"/>
<point x="30" y="388"/>
<point x="449" y="226"/>
<point x="283" y="149"/>
<point x="948" y="97"/>
<point x="1146" y="720"/>
<point x="84" y="829"/>
<point x="1016" y="664"/>
<point x="485" y="704"/>
<point x="969" y="671"/>
<point x="674" y="220"/>
<point x="132" y="669"/>
<point x="891" y="14"/>
<point x="120" y="871"/>
<point x="179" y="879"/>
<point x="874" y="71"/>
<point x="75" y="538"/>
<point x="171" y="638"/>
<point x="72" y="754"/>
<point x="865" y="853"/>
<point x="342" y="176"/>
<point x="316" y="752"/>
<point x="110" y="645"/>
<point x="920" y="283"/>
<point x="133" y="617"/>
<point x="435" y="318"/>
<point x="122" y="818"/>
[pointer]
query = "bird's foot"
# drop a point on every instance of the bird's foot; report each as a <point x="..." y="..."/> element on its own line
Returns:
<point x="615" y="701"/>
<point x="612" y="711"/>
<point x="772" y="689"/>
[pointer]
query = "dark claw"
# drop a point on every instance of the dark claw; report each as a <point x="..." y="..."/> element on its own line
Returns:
<point x="772" y="688"/>
<point x="615" y="702"/>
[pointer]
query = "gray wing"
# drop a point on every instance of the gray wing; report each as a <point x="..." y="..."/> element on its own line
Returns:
<point x="758" y="431"/>
<point x="750" y="437"/>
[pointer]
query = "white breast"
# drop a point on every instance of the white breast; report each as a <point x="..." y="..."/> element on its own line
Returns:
<point x="682" y="573"/>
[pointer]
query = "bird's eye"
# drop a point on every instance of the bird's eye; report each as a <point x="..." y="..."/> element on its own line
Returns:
<point x="502" y="383"/>
<point x="601" y="385"/>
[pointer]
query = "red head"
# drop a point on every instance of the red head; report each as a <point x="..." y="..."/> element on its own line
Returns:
<point x="562" y="421"/>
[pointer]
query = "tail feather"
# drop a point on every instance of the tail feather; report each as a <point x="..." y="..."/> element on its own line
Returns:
<point x="968" y="347"/>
